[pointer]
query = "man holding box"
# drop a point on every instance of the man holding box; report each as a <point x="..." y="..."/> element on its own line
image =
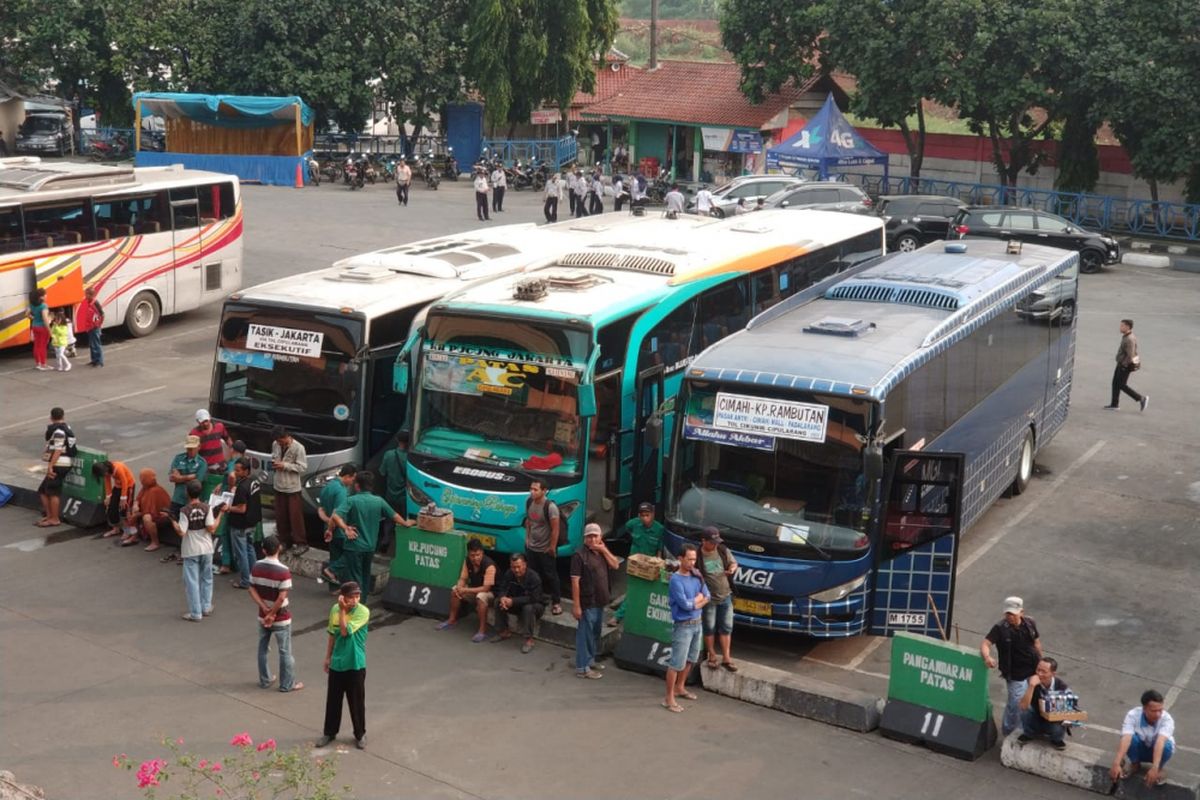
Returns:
<point x="1033" y="724"/>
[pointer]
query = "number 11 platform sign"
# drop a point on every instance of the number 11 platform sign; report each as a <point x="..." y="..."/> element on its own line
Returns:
<point x="938" y="697"/>
<point x="426" y="566"/>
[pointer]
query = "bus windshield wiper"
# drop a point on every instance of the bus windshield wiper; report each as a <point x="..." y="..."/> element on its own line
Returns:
<point x="807" y="542"/>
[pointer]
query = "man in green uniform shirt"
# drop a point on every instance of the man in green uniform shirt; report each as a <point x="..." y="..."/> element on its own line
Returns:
<point x="346" y="665"/>
<point x="393" y="469"/>
<point x="645" y="537"/>
<point x="359" y="516"/>
<point x="333" y="495"/>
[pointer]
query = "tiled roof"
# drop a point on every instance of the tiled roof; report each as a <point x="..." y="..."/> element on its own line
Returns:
<point x="609" y="81"/>
<point x="695" y="93"/>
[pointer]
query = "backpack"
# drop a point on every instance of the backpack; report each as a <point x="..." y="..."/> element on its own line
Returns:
<point x="545" y="508"/>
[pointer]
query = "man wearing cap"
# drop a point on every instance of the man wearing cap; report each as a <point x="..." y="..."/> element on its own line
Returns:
<point x="481" y="195"/>
<point x="717" y="567"/>
<point x="213" y="441"/>
<point x="1018" y="651"/>
<point x="590" y="568"/>
<point x="289" y="462"/>
<point x="186" y="467"/>
<point x="688" y="596"/>
<point x="346" y="665"/>
<point x="645" y="538"/>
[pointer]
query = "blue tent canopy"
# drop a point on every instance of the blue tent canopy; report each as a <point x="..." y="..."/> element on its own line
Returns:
<point x="827" y="141"/>
<point x="223" y="110"/>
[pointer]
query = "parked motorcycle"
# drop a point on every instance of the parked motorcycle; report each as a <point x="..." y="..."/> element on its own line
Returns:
<point x="110" y="150"/>
<point x="657" y="191"/>
<point x="314" y="171"/>
<point x="541" y="174"/>
<point x="354" y="172"/>
<point x="450" y="168"/>
<point x="429" y="172"/>
<point x="520" y="177"/>
<point x="331" y="171"/>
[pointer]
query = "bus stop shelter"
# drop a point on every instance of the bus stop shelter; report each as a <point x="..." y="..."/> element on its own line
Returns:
<point x="828" y="142"/>
<point x="262" y="139"/>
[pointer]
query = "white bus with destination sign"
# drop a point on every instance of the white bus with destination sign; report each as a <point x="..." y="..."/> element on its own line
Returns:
<point x="316" y="352"/>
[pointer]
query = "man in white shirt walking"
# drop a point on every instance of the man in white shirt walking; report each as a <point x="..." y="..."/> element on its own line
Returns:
<point x="704" y="201"/>
<point x="553" y="195"/>
<point x="499" y="184"/>
<point x="481" y="195"/>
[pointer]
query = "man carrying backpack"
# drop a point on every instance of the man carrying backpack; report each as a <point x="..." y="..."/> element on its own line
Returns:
<point x="542" y="525"/>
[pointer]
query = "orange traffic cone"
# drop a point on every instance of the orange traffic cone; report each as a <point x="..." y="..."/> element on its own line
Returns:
<point x="299" y="176"/>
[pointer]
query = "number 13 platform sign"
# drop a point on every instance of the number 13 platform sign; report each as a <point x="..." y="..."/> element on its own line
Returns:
<point x="426" y="566"/>
<point x="938" y="697"/>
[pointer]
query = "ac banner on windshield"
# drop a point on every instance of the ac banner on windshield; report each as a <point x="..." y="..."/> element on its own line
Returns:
<point x="805" y="422"/>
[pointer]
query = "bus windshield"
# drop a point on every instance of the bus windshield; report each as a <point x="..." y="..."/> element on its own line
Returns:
<point x="783" y="475"/>
<point x="277" y="365"/>
<point x="501" y="392"/>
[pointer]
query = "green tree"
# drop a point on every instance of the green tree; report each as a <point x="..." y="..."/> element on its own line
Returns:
<point x="415" y="51"/>
<point x="1006" y="85"/>
<point x="1144" y="69"/>
<point x="524" y="52"/>
<point x="901" y="52"/>
<point x="772" y="42"/>
<point x="1078" y="158"/>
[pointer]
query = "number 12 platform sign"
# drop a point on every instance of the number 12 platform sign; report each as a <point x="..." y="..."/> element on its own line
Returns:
<point x="426" y="566"/>
<point x="938" y="697"/>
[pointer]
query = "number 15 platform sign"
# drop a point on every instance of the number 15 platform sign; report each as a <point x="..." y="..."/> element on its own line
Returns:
<point x="938" y="697"/>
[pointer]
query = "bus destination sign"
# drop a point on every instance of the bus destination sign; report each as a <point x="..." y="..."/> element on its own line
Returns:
<point x="289" y="341"/>
<point x="803" y="421"/>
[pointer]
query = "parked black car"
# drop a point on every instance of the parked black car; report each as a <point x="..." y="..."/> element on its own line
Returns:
<point x="1038" y="227"/>
<point x="913" y="220"/>
<point x="822" y="195"/>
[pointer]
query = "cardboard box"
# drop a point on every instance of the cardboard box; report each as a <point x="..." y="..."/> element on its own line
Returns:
<point x="646" y="567"/>
<point x="438" y="521"/>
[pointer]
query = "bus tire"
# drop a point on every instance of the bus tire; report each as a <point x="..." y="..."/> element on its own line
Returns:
<point x="143" y="314"/>
<point x="1024" y="465"/>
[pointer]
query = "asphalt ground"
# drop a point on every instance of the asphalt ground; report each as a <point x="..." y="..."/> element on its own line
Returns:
<point x="1100" y="546"/>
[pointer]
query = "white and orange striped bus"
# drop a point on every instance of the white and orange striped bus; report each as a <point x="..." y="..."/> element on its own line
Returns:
<point x="151" y="241"/>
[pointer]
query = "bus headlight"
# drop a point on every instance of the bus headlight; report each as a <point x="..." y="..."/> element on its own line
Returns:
<point x="838" y="592"/>
<point x="317" y="480"/>
<point x="417" y="496"/>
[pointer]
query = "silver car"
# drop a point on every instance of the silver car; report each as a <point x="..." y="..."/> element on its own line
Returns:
<point x="748" y="188"/>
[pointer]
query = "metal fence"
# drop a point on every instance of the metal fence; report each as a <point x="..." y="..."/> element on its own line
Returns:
<point x="1113" y="215"/>
<point x="555" y="152"/>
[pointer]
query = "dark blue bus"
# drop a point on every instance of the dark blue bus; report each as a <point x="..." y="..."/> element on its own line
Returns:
<point x="844" y="440"/>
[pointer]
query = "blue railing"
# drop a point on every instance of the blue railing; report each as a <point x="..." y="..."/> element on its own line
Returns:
<point x="1113" y="215"/>
<point x="555" y="152"/>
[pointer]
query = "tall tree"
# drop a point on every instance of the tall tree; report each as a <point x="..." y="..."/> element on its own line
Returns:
<point x="901" y="52"/>
<point x="1006" y="85"/>
<point x="773" y="42"/>
<point x="524" y="52"/>
<point x="1145" y="67"/>
<point x="415" y="50"/>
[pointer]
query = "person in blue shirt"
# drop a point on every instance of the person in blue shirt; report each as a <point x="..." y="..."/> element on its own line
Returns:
<point x="186" y="467"/>
<point x="688" y="596"/>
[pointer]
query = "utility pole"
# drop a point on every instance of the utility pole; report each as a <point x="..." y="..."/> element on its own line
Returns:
<point x="653" y="34"/>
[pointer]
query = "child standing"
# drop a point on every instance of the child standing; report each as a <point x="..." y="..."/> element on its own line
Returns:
<point x="60" y="335"/>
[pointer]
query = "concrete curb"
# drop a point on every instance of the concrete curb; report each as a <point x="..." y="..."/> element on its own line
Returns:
<point x="1136" y="259"/>
<point x="308" y="565"/>
<point x="1087" y="768"/>
<point x="797" y="695"/>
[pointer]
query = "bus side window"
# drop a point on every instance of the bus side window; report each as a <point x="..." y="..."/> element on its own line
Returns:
<point x="724" y="310"/>
<point x="670" y="341"/>
<point x="184" y="216"/>
<point x="12" y="235"/>
<point x="216" y="202"/>
<point x="57" y="224"/>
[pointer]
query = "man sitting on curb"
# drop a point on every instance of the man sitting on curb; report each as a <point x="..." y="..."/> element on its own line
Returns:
<point x="474" y="589"/>
<point x="519" y="594"/>
<point x="1033" y="724"/>
<point x="1147" y="735"/>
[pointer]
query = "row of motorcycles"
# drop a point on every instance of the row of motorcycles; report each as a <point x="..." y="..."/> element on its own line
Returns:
<point x="356" y="170"/>
<point x="532" y="174"/>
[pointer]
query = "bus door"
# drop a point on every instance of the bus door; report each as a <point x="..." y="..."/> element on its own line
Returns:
<point x="917" y="544"/>
<point x="197" y="280"/>
<point x="649" y="432"/>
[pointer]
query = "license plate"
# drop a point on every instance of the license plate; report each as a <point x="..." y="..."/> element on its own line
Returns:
<point x="488" y="542"/>
<point x="755" y="607"/>
<point x="906" y="619"/>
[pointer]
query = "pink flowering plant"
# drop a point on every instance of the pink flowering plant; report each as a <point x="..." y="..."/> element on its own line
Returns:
<point x="247" y="771"/>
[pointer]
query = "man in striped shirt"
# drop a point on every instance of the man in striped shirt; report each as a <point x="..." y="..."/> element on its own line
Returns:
<point x="270" y="584"/>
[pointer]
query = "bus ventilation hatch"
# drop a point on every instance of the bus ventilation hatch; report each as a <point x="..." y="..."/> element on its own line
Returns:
<point x="840" y="326"/>
<point x="629" y="261"/>
<point x="902" y="295"/>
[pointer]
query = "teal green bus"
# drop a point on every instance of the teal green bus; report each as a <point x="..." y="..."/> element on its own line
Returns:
<point x="567" y="372"/>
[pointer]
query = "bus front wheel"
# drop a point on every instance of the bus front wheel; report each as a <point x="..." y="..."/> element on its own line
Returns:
<point x="143" y="314"/>
<point x="1024" y="465"/>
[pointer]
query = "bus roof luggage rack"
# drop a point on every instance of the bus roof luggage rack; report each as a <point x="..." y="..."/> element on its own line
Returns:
<point x="32" y="177"/>
<point x="840" y="326"/>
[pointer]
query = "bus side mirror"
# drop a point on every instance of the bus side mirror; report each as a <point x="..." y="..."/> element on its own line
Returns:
<point x="400" y="374"/>
<point x="587" y="400"/>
